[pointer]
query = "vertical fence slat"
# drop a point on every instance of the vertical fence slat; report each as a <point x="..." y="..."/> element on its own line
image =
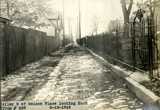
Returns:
<point x="20" y="46"/>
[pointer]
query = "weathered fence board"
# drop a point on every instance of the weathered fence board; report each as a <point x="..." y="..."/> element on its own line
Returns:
<point x="1" y="48"/>
<point x="20" y="46"/>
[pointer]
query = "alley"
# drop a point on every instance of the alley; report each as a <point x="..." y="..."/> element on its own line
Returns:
<point x="70" y="74"/>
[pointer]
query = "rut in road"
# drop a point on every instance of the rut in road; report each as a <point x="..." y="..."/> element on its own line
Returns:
<point x="70" y="74"/>
<point x="79" y="76"/>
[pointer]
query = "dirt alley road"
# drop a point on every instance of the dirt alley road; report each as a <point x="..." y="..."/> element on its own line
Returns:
<point x="70" y="74"/>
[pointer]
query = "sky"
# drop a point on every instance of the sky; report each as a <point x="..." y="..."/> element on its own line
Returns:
<point x="92" y="11"/>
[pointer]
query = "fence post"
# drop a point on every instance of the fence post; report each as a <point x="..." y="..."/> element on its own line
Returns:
<point x="6" y="49"/>
<point x="2" y="66"/>
<point x="133" y="46"/>
<point x="150" y="47"/>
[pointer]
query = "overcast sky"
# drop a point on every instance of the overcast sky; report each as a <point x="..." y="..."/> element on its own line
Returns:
<point x="100" y="11"/>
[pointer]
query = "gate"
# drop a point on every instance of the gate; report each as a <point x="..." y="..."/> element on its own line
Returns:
<point x="145" y="44"/>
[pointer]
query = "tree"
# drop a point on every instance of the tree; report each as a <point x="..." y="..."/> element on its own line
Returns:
<point x="126" y="14"/>
<point x="29" y="13"/>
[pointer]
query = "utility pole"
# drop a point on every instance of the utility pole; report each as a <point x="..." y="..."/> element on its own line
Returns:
<point x="63" y="25"/>
<point x="79" y="4"/>
<point x="57" y="25"/>
<point x="0" y="7"/>
<point x="70" y="29"/>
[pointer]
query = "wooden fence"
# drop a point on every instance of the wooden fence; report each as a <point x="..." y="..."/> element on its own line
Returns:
<point x="116" y="49"/>
<point x="19" y="47"/>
